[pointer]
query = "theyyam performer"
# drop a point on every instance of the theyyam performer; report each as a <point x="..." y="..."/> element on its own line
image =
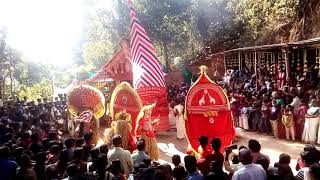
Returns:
<point x="145" y="130"/>
<point x="86" y="104"/>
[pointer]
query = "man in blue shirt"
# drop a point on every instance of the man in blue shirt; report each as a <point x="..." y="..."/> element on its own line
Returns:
<point x="7" y="167"/>
<point x="139" y="156"/>
<point x="191" y="166"/>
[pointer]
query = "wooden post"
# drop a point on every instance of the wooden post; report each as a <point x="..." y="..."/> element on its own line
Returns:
<point x="240" y="64"/>
<point x="225" y="64"/>
<point x="305" y="66"/>
<point x="255" y="68"/>
<point x="286" y="62"/>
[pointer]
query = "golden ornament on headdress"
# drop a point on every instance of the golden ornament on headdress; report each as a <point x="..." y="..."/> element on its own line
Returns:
<point x="84" y="97"/>
<point x="123" y="116"/>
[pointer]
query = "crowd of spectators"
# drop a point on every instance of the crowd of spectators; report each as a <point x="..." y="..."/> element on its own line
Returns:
<point x="275" y="106"/>
<point x="34" y="147"/>
<point x="35" y="144"/>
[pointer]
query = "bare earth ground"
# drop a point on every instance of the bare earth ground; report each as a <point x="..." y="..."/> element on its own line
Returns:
<point x="170" y="145"/>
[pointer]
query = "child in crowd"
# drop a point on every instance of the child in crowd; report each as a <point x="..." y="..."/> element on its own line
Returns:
<point x="287" y="120"/>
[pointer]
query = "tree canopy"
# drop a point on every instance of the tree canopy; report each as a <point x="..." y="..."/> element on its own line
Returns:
<point x="180" y="30"/>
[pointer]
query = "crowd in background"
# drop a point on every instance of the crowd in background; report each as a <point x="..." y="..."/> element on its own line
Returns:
<point x="272" y="105"/>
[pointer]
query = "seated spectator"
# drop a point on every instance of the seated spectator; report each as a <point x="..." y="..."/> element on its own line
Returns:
<point x="308" y="148"/>
<point x="191" y="166"/>
<point x="115" y="169"/>
<point x="284" y="168"/>
<point x="264" y="162"/>
<point x="78" y="160"/>
<point x="216" y="172"/>
<point x="102" y="162"/>
<point x="140" y="155"/>
<point x="234" y="158"/>
<point x="179" y="173"/>
<point x="72" y="172"/>
<point x="315" y="171"/>
<point x="255" y="148"/>
<point x="40" y="165"/>
<point x="70" y="142"/>
<point x="249" y="170"/>
<point x="176" y="160"/>
<point x="35" y="146"/>
<point x="124" y="156"/>
<point x="7" y="167"/>
<point x="308" y="160"/>
<point x="79" y="142"/>
<point x="26" y="171"/>
<point x="53" y="157"/>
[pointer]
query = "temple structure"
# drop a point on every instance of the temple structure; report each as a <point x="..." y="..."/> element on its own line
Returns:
<point x="117" y="69"/>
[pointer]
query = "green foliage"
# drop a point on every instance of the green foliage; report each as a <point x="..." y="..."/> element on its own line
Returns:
<point x="39" y="90"/>
<point x="262" y="15"/>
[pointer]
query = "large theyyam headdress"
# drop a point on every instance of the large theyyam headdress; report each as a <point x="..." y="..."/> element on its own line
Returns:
<point x="86" y="98"/>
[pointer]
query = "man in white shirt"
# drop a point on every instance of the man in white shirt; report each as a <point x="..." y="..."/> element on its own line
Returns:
<point x="124" y="156"/>
<point x="249" y="171"/>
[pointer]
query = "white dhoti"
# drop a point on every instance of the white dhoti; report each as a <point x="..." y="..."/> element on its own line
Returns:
<point x="172" y="119"/>
<point x="243" y="121"/>
<point x="310" y="130"/>
<point x="179" y="121"/>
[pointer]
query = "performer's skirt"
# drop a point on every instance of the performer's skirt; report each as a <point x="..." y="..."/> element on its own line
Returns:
<point x="151" y="146"/>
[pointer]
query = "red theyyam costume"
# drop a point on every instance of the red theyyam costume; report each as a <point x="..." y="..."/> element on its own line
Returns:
<point x="86" y="104"/>
<point x="148" y="78"/>
<point x="125" y="104"/>
<point x="208" y="112"/>
<point x="145" y="130"/>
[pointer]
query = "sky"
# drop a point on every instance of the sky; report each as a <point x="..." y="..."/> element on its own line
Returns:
<point x="44" y="30"/>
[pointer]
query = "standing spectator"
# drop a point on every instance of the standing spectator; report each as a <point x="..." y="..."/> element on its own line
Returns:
<point x="255" y="148"/>
<point x="288" y="122"/>
<point x="140" y="155"/>
<point x="249" y="171"/>
<point x="274" y="117"/>
<point x="244" y="116"/>
<point x="191" y="166"/>
<point x="178" y="113"/>
<point x="7" y="167"/>
<point x="124" y="156"/>
<point x="311" y="124"/>
<point x="203" y="149"/>
<point x="265" y="113"/>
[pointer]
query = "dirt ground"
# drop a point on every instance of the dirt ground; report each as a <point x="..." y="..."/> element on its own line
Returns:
<point x="170" y="145"/>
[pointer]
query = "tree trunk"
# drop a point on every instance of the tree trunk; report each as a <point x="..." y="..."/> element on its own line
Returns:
<point x="166" y="55"/>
